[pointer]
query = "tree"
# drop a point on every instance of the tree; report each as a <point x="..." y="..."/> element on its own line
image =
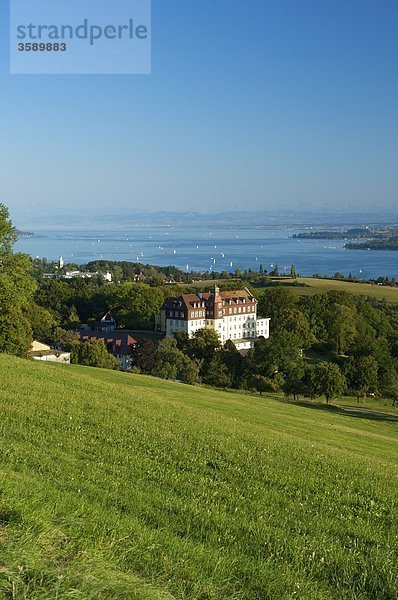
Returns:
<point x="316" y="308"/>
<point x="17" y="287"/>
<point x="362" y="375"/>
<point x="42" y="322"/>
<point x="293" y="273"/>
<point x="341" y="327"/>
<point x="136" y="304"/>
<point x="165" y="370"/>
<point x="310" y="387"/>
<point x="144" y="355"/>
<point x="295" y="321"/>
<point x="93" y="353"/>
<point x="8" y="236"/>
<point x="183" y="341"/>
<point x="390" y="386"/>
<point x="328" y="380"/>
<point x="71" y="318"/>
<point x="277" y="354"/>
<point x="217" y="374"/>
<point x="188" y="370"/>
<point x="53" y="295"/>
<point x="363" y="345"/>
<point x="262" y="384"/>
<point x="171" y="363"/>
<point x="68" y="340"/>
<point x="204" y="344"/>
<point x="294" y="384"/>
<point x="233" y="360"/>
<point x="167" y="359"/>
<point x="275" y="301"/>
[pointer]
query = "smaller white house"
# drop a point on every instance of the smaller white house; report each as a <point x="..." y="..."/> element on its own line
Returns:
<point x="39" y="351"/>
<point x="87" y="275"/>
<point x="78" y="275"/>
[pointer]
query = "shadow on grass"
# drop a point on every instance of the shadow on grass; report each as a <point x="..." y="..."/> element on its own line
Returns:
<point x="347" y="411"/>
<point x="361" y="413"/>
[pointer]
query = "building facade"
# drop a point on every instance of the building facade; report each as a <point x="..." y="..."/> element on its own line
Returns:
<point x="233" y="315"/>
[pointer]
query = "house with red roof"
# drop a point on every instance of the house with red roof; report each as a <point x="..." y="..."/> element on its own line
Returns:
<point x="118" y="343"/>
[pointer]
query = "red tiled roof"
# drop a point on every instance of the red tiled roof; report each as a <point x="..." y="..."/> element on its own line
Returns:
<point x="122" y="340"/>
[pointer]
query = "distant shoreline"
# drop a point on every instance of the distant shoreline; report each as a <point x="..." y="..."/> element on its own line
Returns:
<point x="387" y="244"/>
<point x="24" y="234"/>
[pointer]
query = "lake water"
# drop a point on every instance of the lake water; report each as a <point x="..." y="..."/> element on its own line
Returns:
<point x="206" y="248"/>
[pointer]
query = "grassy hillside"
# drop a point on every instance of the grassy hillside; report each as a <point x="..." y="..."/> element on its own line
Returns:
<point x="121" y="486"/>
<point x="312" y="286"/>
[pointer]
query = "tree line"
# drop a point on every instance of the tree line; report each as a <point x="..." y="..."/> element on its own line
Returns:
<point x="327" y="345"/>
<point x="322" y="345"/>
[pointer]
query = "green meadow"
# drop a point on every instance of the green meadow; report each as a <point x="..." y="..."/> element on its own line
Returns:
<point x="308" y="286"/>
<point x="118" y="486"/>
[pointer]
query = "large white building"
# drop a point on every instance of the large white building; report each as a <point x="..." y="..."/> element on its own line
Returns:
<point x="233" y="315"/>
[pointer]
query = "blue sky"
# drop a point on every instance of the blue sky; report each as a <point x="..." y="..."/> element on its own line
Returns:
<point x="253" y="104"/>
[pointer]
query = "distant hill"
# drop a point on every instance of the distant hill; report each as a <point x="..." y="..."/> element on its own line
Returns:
<point x="115" y="485"/>
<point x="353" y="233"/>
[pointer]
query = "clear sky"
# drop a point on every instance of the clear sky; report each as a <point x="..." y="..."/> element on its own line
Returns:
<point x="253" y="104"/>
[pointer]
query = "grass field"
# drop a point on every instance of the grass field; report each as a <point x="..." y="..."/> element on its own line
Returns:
<point x="311" y="285"/>
<point x="117" y="486"/>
